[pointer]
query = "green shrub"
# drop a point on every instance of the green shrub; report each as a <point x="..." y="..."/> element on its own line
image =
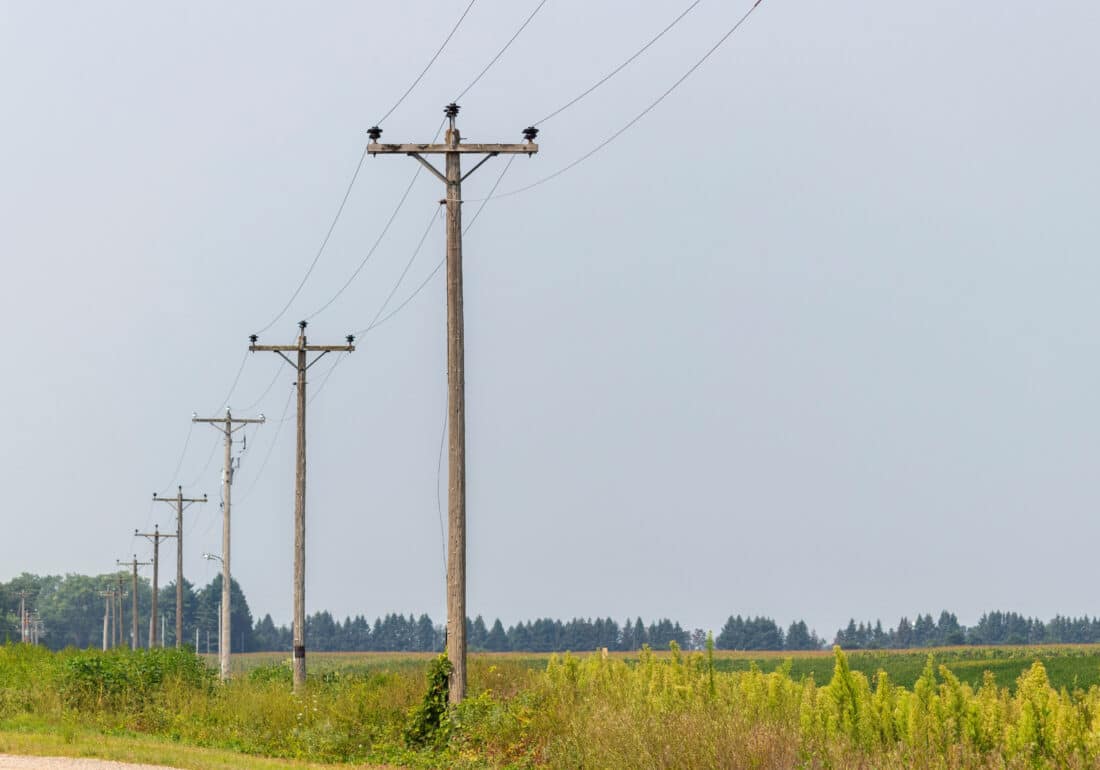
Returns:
<point x="125" y="680"/>
<point x="428" y="724"/>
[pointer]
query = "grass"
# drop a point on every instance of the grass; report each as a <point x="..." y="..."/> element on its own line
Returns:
<point x="146" y="750"/>
<point x="1025" y="707"/>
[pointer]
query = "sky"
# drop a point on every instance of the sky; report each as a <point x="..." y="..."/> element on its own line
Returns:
<point x="815" y="338"/>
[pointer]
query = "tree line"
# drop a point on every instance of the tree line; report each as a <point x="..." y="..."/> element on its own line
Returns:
<point x="992" y="628"/>
<point x="71" y="608"/>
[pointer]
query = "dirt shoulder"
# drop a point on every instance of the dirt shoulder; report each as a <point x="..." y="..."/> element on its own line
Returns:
<point x="13" y="762"/>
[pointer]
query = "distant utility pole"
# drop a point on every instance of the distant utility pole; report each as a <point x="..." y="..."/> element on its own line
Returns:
<point x="23" y="616"/>
<point x="228" y="425"/>
<point x="134" y="590"/>
<point x="181" y="504"/>
<point x="453" y="149"/>
<point x="108" y="600"/>
<point x="301" y="365"/>
<point x="155" y="536"/>
<point x="118" y="615"/>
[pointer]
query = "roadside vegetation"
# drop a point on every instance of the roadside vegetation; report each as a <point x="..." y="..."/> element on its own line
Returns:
<point x="667" y="710"/>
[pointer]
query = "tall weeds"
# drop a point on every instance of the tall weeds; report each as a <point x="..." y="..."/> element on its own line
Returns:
<point x="580" y="712"/>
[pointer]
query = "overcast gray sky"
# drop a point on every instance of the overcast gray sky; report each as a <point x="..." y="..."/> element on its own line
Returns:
<point x="815" y="339"/>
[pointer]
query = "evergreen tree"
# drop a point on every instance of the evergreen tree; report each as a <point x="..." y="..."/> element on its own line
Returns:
<point x="800" y="638"/>
<point x="626" y="638"/>
<point x="425" y="634"/>
<point x="476" y="633"/>
<point x="903" y="637"/>
<point x="732" y="636"/>
<point x="879" y="638"/>
<point x="924" y="631"/>
<point x="497" y="640"/>
<point x="849" y="637"/>
<point x="948" y="630"/>
<point x="265" y="636"/>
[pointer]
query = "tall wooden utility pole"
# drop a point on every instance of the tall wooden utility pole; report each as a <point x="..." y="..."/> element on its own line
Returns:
<point x="453" y="149"/>
<point x="228" y="425"/>
<point x="301" y="364"/>
<point x="155" y="536"/>
<point x="134" y="590"/>
<point x="181" y="504"/>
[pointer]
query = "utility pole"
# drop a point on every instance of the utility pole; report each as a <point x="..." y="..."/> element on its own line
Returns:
<point x="108" y="600"/>
<point x="118" y="615"/>
<point x="23" y="616"/>
<point x="134" y="590"/>
<point x="181" y="504"/>
<point x="156" y="536"/>
<point x="119" y="619"/>
<point x="452" y="149"/>
<point x="228" y="425"/>
<point x="301" y="365"/>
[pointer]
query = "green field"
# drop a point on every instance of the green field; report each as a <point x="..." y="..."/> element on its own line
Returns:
<point x="1031" y="707"/>
<point x="1068" y="666"/>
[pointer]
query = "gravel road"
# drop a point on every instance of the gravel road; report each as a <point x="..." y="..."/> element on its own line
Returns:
<point x="9" y="762"/>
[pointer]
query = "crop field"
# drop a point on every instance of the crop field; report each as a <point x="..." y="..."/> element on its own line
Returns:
<point x="1026" y="707"/>
<point x="1069" y="666"/>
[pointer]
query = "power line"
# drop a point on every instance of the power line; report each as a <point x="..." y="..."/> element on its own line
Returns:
<point x="274" y="439"/>
<point x="501" y="51"/>
<point x="637" y="117"/>
<point x="434" y="218"/>
<point x="355" y="174"/>
<point x="377" y="241"/>
<point x="428" y="66"/>
<point x="416" y="174"/>
<point x="183" y="453"/>
<point x="267" y="390"/>
<point x="233" y="387"/>
<point x="622" y="66"/>
<point x="213" y="449"/>
<point x="438" y="267"/>
<point x="401" y="203"/>
<point x="328" y="374"/>
<point x="407" y="300"/>
<point x="370" y="252"/>
<point x="489" y="197"/>
<point x="191" y="428"/>
<point x="324" y="243"/>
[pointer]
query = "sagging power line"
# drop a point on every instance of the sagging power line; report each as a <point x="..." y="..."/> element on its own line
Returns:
<point x="649" y="108"/>
<point x="439" y="265"/>
<point x="355" y="175"/>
